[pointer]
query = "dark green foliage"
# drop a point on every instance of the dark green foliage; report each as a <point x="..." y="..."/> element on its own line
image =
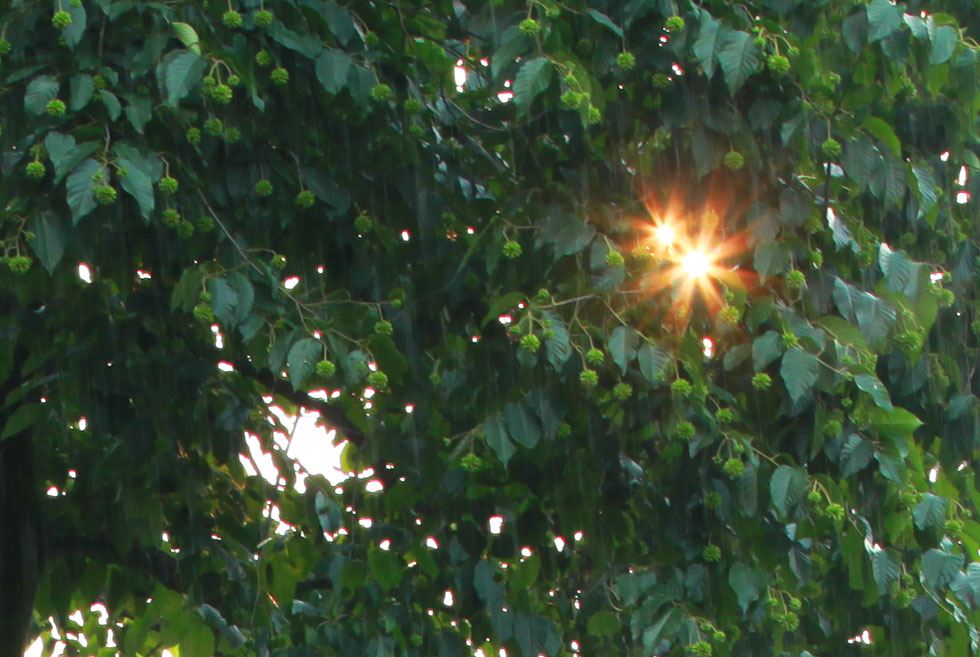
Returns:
<point x="767" y="462"/>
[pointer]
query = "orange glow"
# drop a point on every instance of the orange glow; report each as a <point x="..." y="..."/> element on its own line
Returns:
<point x="695" y="263"/>
<point x="691" y="248"/>
<point x="664" y="233"/>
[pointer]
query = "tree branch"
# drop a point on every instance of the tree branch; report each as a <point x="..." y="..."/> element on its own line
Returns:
<point x="334" y="416"/>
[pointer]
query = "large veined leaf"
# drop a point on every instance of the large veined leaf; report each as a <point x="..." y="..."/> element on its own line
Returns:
<point x="81" y="199"/>
<point x="653" y="360"/>
<point x="622" y="346"/>
<point x="855" y="455"/>
<point x="739" y="58"/>
<point x="497" y="438"/>
<point x="799" y="370"/>
<point x="332" y="67"/>
<point x="187" y="35"/>
<point x="940" y="567"/>
<point x="536" y="635"/>
<point x="926" y="184"/>
<point x="786" y="488"/>
<point x="39" y="92"/>
<point x="966" y="586"/>
<point x="605" y="21"/>
<point x="884" y="568"/>
<point x="896" y="267"/>
<point x="884" y="132"/>
<point x="746" y="582"/>
<point x="870" y="384"/>
<point x="302" y="358"/>
<point x="81" y="87"/>
<point x="558" y="348"/>
<point x="706" y="47"/>
<point x="930" y="511"/>
<point x="765" y="349"/>
<point x="533" y="77"/>
<point x="79" y="19"/>
<point x="884" y="18"/>
<point x="521" y="425"/>
<point x="943" y="44"/>
<point x="49" y="238"/>
<point x="137" y="184"/>
<point x="178" y="73"/>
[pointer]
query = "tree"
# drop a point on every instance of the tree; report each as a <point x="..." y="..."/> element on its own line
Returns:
<point x="681" y="294"/>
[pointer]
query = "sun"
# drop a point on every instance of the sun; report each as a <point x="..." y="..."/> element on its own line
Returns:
<point x="693" y="257"/>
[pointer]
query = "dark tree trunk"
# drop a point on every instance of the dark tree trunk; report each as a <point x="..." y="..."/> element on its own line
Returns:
<point x="20" y="555"/>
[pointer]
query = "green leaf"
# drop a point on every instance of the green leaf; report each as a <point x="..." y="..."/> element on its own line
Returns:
<point x="187" y="35"/>
<point x="653" y="361"/>
<point x="73" y="33"/>
<point x="302" y="358"/>
<point x="895" y="423"/>
<point x="799" y="370"/>
<point x="197" y="641"/>
<point x="739" y="58"/>
<point x="884" y="133"/>
<point x="926" y="184"/>
<point x="765" y="349"/>
<point x="353" y="575"/>
<point x="533" y="77"/>
<point x="870" y="384"/>
<point x="80" y="90"/>
<point x="64" y="154"/>
<point x="603" y="623"/>
<point x="710" y="35"/>
<point x="567" y="234"/>
<point x="896" y="267"/>
<point x="536" y="635"/>
<point x="25" y="416"/>
<point x="884" y="568"/>
<point x="891" y="465"/>
<point x="178" y="73"/>
<point x="930" y="512"/>
<point x="112" y="104"/>
<point x="79" y="185"/>
<point x="139" y="111"/>
<point x="558" y="349"/>
<point x="622" y="346"/>
<point x="332" y="67"/>
<point x="966" y="586"/>
<point x="943" y="44"/>
<point x="883" y="19"/>
<point x="772" y="258"/>
<point x="855" y="455"/>
<point x="497" y="438"/>
<point x="843" y="331"/>
<point x="49" y="238"/>
<point x="386" y="568"/>
<point x="39" y="92"/>
<point x="521" y="425"/>
<point x="223" y="299"/>
<point x="786" y="488"/>
<point x="524" y="574"/>
<point x="605" y="21"/>
<point x="138" y="185"/>
<point x="500" y="305"/>
<point x="940" y="568"/>
<point x="746" y="582"/>
<point x="665" y="625"/>
<point x="306" y="44"/>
